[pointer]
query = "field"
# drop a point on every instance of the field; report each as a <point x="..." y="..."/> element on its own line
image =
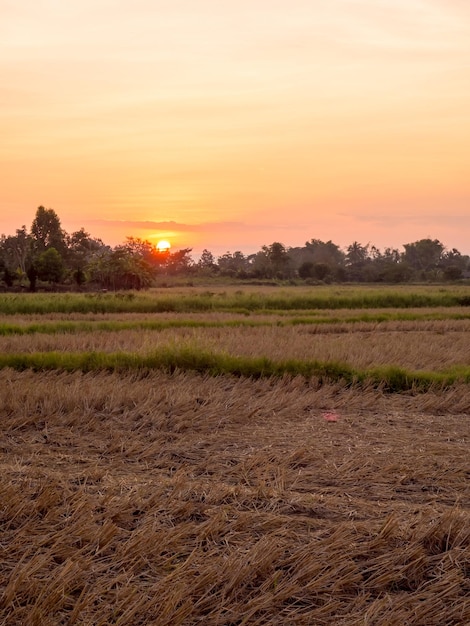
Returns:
<point x="230" y="456"/>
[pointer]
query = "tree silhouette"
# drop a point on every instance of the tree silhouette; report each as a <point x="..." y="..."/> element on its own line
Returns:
<point x="46" y="231"/>
<point x="50" y="266"/>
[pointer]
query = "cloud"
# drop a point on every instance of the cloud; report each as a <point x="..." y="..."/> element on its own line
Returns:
<point x="395" y="219"/>
<point x="173" y="226"/>
<point x="203" y="227"/>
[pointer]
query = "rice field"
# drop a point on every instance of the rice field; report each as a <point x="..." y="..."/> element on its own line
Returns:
<point x="229" y="487"/>
<point x="248" y="299"/>
<point x="429" y="346"/>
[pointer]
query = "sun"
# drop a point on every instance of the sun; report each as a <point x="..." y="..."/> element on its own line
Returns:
<point x="163" y="246"/>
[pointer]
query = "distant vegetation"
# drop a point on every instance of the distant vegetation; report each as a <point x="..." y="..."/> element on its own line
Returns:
<point x="250" y="299"/>
<point x="47" y="257"/>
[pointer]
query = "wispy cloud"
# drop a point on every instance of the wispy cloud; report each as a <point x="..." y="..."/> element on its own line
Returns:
<point x="458" y="221"/>
<point x="172" y="225"/>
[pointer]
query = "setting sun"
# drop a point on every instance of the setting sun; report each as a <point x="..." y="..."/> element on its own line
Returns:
<point x="163" y="246"/>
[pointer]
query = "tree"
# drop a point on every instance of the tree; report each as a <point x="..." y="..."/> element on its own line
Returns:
<point x="356" y="258"/>
<point x="424" y="256"/>
<point x="206" y="264"/>
<point x="129" y="269"/>
<point x="99" y="267"/>
<point x="47" y="233"/>
<point x="306" y="269"/>
<point x="142" y="248"/>
<point x="316" y="252"/>
<point x="452" y="272"/>
<point x="324" y="252"/>
<point x="32" y="274"/>
<point x="235" y="264"/>
<point x="16" y="250"/>
<point x="357" y="253"/>
<point x="81" y="249"/>
<point x="120" y="269"/>
<point x="50" y="266"/>
<point x="278" y="259"/>
<point x="8" y="276"/>
<point x="319" y="271"/>
<point x="388" y="266"/>
<point x="260" y="266"/>
<point x="453" y="259"/>
<point x="179" y="262"/>
<point x="81" y="246"/>
<point x="79" y="277"/>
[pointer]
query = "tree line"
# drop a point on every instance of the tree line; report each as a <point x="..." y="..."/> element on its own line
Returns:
<point x="47" y="255"/>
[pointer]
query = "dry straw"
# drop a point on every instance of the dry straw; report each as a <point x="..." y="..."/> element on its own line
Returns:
<point x="184" y="500"/>
<point x="140" y="497"/>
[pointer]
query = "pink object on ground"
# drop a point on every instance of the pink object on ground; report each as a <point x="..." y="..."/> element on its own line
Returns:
<point x="330" y="416"/>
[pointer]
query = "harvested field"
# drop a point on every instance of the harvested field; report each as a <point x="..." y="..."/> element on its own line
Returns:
<point x="278" y="316"/>
<point x="185" y="499"/>
<point x="417" y="345"/>
<point x="428" y="345"/>
<point x="140" y="492"/>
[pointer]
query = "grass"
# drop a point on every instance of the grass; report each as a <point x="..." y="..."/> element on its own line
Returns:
<point x="114" y="326"/>
<point x="390" y="378"/>
<point x="275" y="299"/>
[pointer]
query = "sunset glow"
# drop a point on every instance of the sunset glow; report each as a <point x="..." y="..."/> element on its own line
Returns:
<point x="229" y="125"/>
<point x="163" y="246"/>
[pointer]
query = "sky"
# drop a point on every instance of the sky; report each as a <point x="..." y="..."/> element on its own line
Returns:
<point x="228" y="125"/>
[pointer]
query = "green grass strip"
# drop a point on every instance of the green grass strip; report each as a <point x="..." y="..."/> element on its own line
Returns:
<point x="75" y="327"/>
<point x="392" y="379"/>
<point x="12" y="304"/>
<point x="56" y="328"/>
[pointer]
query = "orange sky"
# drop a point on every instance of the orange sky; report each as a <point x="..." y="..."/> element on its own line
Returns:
<point x="229" y="125"/>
